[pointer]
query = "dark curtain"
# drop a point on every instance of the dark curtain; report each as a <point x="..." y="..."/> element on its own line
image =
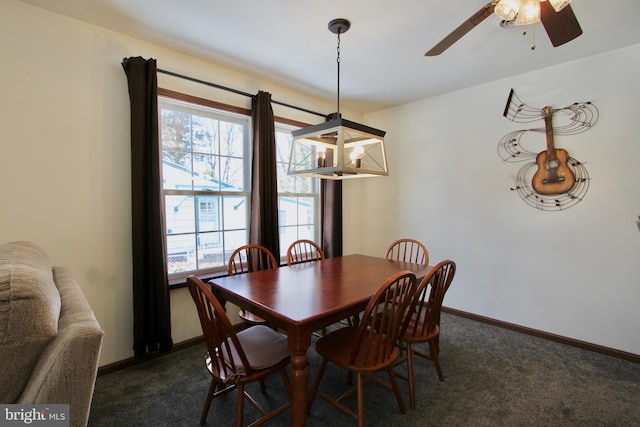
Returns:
<point x="151" y="308"/>
<point x="331" y="217"/>
<point x="264" y="229"/>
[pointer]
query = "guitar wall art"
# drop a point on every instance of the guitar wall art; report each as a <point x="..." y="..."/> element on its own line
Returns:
<point x="550" y="180"/>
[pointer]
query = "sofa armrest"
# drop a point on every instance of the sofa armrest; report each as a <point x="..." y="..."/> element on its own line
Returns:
<point x="66" y="370"/>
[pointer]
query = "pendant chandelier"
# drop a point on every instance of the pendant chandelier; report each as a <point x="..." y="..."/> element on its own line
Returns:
<point x="339" y="148"/>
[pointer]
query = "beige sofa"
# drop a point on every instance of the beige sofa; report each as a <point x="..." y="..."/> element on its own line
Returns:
<point x="49" y="337"/>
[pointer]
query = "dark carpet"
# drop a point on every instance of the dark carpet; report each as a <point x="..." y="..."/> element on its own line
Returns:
<point x="493" y="377"/>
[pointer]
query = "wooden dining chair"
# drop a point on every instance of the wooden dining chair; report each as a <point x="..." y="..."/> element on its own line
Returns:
<point x="304" y="250"/>
<point x="408" y="250"/>
<point x="247" y="259"/>
<point x="369" y="347"/>
<point x="422" y="323"/>
<point x="234" y="360"/>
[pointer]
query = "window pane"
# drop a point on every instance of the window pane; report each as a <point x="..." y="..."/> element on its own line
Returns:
<point x="180" y="214"/>
<point x="287" y="211"/>
<point x="232" y="174"/>
<point x="208" y="213"/>
<point x="284" y="141"/>
<point x="235" y="212"/>
<point x="231" y="140"/>
<point x="305" y="232"/>
<point x="304" y="184"/>
<point x="205" y="135"/>
<point x="232" y="241"/>
<point x="176" y="176"/>
<point x="306" y="210"/>
<point x="210" y="251"/>
<point x="181" y="251"/>
<point x="176" y="131"/>
<point x="205" y="172"/>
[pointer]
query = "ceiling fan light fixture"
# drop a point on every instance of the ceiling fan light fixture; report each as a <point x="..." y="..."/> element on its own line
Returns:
<point x="529" y="12"/>
<point x="558" y="5"/>
<point x="507" y="9"/>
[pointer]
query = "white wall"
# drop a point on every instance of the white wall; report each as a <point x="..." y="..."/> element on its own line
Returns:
<point x="65" y="181"/>
<point x="65" y="152"/>
<point x="574" y="273"/>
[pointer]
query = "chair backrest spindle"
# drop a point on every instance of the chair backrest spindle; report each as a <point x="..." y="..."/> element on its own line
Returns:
<point x="383" y="318"/>
<point x="424" y="312"/>
<point x="408" y="250"/>
<point x="250" y="258"/>
<point x="304" y="250"/>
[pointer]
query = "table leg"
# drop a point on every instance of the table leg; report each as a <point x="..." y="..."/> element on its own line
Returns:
<point x="299" y="344"/>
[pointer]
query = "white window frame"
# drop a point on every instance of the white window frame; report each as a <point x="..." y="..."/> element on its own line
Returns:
<point x="309" y="191"/>
<point x="199" y="257"/>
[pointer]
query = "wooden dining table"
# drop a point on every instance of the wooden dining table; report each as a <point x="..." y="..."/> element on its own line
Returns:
<point x="303" y="298"/>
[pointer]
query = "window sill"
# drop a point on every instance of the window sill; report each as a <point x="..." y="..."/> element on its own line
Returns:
<point x="182" y="281"/>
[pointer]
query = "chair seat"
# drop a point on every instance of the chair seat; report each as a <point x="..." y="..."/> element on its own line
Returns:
<point x="416" y="323"/>
<point x="338" y="346"/>
<point x="263" y="346"/>
<point x="249" y="317"/>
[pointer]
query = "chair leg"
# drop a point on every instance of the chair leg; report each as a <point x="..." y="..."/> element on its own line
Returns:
<point x="207" y="402"/>
<point x="287" y="382"/>
<point x="396" y="389"/>
<point x="316" y="383"/>
<point x="412" y="389"/>
<point x="434" y="356"/>
<point x="360" y="401"/>
<point x="240" y="405"/>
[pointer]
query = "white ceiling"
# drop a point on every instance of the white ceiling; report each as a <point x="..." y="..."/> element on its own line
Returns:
<point x="382" y="55"/>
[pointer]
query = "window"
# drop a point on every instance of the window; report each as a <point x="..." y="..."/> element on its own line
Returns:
<point x="206" y="169"/>
<point x="298" y="197"/>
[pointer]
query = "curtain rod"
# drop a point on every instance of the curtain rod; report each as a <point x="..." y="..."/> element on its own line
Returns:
<point x="238" y="92"/>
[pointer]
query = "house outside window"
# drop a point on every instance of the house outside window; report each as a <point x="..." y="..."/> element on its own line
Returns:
<point x="206" y="169"/>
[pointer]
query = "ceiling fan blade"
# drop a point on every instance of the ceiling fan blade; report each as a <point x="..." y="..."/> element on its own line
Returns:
<point x="562" y="27"/>
<point x="463" y="29"/>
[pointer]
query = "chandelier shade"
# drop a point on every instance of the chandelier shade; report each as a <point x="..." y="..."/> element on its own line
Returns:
<point x="338" y="149"/>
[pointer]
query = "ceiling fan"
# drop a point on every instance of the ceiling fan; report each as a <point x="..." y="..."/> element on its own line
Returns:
<point x="557" y="17"/>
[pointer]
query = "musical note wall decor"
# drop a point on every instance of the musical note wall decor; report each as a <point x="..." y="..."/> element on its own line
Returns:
<point x="551" y="180"/>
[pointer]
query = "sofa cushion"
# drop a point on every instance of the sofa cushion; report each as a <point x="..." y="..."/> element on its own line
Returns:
<point x="29" y="312"/>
